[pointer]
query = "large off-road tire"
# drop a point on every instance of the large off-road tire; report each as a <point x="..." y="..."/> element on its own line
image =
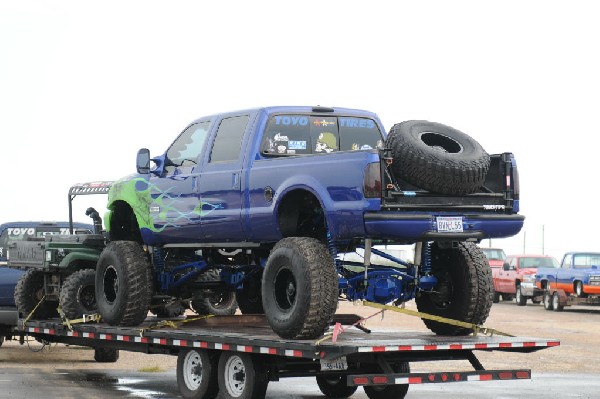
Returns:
<point x="437" y="157"/>
<point x="464" y="290"/>
<point x="335" y="386"/>
<point x="249" y="297"/>
<point x="29" y="291"/>
<point x="241" y="376"/>
<point x="122" y="287"/>
<point x="106" y="355"/>
<point x="390" y="391"/>
<point x="197" y="374"/>
<point x="299" y="288"/>
<point x="219" y="303"/>
<point x="78" y="294"/>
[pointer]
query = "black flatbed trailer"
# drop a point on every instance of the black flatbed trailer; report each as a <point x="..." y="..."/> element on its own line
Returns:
<point x="239" y="355"/>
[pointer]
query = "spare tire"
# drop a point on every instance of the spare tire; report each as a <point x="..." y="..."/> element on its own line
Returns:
<point x="437" y="158"/>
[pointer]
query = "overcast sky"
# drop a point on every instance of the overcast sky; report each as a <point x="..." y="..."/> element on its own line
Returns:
<point x="84" y="85"/>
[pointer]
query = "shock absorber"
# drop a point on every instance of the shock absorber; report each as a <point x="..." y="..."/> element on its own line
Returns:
<point x="332" y="248"/>
<point x="426" y="259"/>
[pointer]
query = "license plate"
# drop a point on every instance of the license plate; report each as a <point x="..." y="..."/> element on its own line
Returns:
<point x="449" y="224"/>
<point x="334" y="365"/>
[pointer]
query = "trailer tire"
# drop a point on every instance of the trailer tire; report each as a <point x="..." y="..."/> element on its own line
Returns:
<point x="437" y="157"/>
<point x="464" y="290"/>
<point x="197" y="374"/>
<point x="335" y="386"/>
<point x="520" y="299"/>
<point x="556" y="305"/>
<point x="299" y="288"/>
<point x="106" y="355"/>
<point x="219" y="303"/>
<point x="547" y="300"/>
<point x="78" y="294"/>
<point x="249" y="297"/>
<point x="390" y="391"/>
<point x="122" y="286"/>
<point x="29" y="291"/>
<point x="496" y="298"/>
<point x="241" y="376"/>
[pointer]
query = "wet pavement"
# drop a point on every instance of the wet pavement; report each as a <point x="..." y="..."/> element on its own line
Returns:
<point x="34" y="383"/>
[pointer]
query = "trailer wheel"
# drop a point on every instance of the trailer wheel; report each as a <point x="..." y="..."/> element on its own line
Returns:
<point x="249" y="297"/>
<point x="464" y="290"/>
<point x="556" y="305"/>
<point x="197" y="374"/>
<point x="390" y="391"/>
<point x="299" y="288"/>
<point x="519" y="298"/>
<point x="241" y="377"/>
<point x="122" y="287"/>
<point x="437" y="157"/>
<point x="496" y="298"/>
<point x="335" y="386"/>
<point x="78" y="294"/>
<point x="106" y="355"/>
<point x="548" y="301"/>
<point x="29" y="291"/>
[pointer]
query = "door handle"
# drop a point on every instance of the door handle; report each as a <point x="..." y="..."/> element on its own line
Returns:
<point x="235" y="181"/>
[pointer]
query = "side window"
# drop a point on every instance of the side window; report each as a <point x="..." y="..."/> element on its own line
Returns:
<point x="568" y="262"/>
<point x="228" y="142"/>
<point x="186" y="148"/>
<point x="3" y="243"/>
<point x="513" y="263"/>
<point x="359" y="134"/>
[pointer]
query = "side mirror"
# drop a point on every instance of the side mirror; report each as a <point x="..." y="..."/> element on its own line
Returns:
<point x="143" y="161"/>
<point x="506" y="266"/>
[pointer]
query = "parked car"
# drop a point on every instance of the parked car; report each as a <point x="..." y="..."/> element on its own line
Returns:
<point x="516" y="277"/>
<point x="18" y="231"/>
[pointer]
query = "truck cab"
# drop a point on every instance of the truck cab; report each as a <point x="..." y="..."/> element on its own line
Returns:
<point x="517" y="276"/>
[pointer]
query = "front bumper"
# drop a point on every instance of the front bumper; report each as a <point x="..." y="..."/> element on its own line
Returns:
<point x="530" y="290"/>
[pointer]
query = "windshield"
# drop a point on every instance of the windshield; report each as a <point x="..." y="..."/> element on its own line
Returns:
<point x="494" y="253"/>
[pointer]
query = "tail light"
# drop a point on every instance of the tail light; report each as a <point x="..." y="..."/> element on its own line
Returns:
<point x="372" y="180"/>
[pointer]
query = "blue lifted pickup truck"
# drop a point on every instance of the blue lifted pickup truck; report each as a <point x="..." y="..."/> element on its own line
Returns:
<point x="272" y="198"/>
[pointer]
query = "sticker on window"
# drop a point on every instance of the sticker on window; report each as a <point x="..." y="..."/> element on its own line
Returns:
<point x="326" y="142"/>
<point x="297" y="145"/>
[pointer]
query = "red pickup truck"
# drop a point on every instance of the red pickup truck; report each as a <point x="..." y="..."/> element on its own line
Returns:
<point x="516" y="277"/>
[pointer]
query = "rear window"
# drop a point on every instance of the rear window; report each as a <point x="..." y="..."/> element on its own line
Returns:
<point x="310" y="134"/>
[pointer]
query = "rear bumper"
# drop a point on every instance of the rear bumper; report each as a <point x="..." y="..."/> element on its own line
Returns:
<point x="9" y="317"/>
<point x="422" y="227"/>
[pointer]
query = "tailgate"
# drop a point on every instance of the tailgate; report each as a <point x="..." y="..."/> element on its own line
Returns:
<point x="28" y="254"/>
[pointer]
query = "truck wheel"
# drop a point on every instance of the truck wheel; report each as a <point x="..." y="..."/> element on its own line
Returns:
<point x="437" y="157"/>
<point x="106" y="355"/>
<point x="335" y="386"/>
<point x="496" y="298"/>
<point x="299" y="288"/>
<point x="556" y="302"/>
<point x="579" y="290"/>
<point x="122" y="287"/>
<point x="78" y="294"/>
<point x="464" y="290"/>
<point x="519" y="298"/>
<point x="241" y="377"/>
<point x="548" y="301"/>
<point x="197" y="374"/>
<point x="390" y="391"/>
<point x="249" y="297"/>
<point x="29" y="291"/>
<point x="220" y="302"/>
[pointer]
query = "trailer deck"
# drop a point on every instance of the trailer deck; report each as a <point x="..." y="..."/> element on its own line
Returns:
<point x="359" y="357"/>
